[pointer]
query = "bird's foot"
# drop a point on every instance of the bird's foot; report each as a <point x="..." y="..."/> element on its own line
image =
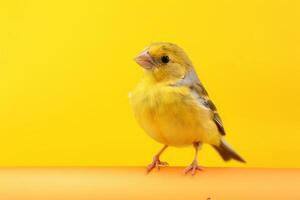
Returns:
<point x="156" y="163"/>
<point x="193" y="168"/>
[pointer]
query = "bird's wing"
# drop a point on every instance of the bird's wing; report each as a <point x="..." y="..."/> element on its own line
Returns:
<point x="192" y="81"/>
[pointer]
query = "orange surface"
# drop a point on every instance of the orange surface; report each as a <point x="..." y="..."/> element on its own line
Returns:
<point x="132" y="183"/>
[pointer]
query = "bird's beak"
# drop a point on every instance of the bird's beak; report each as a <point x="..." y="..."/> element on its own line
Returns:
<point x="145" y="60"/>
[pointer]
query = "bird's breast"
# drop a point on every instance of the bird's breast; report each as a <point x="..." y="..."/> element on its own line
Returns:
<point x="169" y="114"/>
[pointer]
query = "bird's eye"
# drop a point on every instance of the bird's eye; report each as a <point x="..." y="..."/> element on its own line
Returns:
<point x="165" y="59"/>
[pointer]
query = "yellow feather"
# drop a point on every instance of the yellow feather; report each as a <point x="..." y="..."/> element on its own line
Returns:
<point x="171" y="115"/>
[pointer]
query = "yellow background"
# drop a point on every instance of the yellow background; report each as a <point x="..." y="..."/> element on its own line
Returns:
<point x="66" y="68"/>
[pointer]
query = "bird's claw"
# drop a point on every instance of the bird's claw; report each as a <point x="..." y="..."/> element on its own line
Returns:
<point x="193" y="168"/>
<point x="156" y="163"/>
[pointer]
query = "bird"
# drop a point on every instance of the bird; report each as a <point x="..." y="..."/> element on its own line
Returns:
<point x="172" y="106"/>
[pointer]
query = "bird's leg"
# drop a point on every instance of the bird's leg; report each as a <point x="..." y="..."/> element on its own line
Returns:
<point x="156" y="163"/>
<point x="194" y="165"/>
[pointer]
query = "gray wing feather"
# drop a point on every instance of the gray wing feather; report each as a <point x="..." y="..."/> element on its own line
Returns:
<point x="192" y="81"/>
<point x="219" y="123"/>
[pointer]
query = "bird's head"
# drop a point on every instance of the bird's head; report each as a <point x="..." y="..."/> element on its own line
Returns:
<point x="164" y="61"/>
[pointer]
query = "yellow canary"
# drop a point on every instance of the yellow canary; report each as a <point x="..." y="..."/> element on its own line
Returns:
<point x="173" y="107"/>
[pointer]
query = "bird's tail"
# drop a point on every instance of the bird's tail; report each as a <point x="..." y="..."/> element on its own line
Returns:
<point x="227" y="152"/>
